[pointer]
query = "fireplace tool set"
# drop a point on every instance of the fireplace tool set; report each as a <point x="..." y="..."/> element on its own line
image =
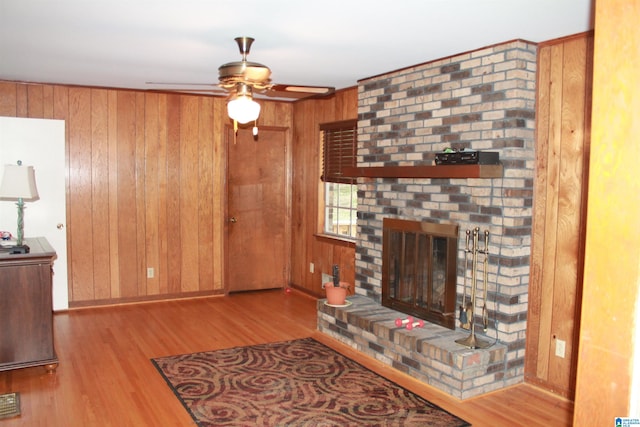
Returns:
<point x="468" y="307"/>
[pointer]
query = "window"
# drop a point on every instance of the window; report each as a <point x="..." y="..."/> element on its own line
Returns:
<point x="340" y="192"/>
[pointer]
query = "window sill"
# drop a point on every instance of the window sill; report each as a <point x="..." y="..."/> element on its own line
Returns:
<point x="336" y="240"/>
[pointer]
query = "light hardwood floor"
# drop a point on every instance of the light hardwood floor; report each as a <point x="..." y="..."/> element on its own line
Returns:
<point x="105" y="377"/>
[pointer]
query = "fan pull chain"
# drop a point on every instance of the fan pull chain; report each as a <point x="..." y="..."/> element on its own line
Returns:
<point x="235" y="131"/>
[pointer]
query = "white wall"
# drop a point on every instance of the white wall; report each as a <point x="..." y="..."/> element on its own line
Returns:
<point x="39" y="143"/>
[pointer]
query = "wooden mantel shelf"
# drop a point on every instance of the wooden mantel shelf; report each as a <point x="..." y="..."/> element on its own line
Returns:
<point x="439" y="171"/>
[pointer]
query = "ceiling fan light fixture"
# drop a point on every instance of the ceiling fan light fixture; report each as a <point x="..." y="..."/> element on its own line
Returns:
<point x="243" y="109"/>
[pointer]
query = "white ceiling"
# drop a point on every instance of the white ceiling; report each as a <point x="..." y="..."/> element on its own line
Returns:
<point x="125" y="43"/>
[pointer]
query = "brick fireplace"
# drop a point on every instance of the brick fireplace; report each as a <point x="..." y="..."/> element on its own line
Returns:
<point x="479" y="100"/>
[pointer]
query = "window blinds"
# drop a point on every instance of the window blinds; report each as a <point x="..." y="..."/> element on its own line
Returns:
<point x="339" y="141"/>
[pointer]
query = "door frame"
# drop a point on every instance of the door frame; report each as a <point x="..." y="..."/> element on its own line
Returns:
<point x="288" y="160"/>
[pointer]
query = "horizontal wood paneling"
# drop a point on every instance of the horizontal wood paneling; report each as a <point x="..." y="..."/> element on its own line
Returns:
<point x="145" y="182"/>
<point x="307" y="247"/>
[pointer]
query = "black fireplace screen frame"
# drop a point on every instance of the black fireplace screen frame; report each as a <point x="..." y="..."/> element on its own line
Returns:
<point x="419" y="265"/>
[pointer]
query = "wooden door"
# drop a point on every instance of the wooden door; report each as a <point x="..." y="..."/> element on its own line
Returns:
<point x="557" y="259"/>
<point x="257" y="255"/>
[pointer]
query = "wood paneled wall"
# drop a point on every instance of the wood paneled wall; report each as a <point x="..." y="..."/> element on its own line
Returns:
<point x="307" y="246"/>
<point x="562" y="158"/>
<point x="145" y="187"/>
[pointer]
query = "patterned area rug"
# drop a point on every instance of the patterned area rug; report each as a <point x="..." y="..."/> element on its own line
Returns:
<point x="293" y="383"/>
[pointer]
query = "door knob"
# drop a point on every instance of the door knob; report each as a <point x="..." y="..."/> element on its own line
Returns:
<point x="233" y="219"/>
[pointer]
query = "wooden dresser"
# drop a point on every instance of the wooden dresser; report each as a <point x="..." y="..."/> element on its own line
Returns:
<point x="26" y="311"/>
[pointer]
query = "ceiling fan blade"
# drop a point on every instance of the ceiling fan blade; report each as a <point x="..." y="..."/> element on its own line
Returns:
<point x="181" y="84"/>
<point x="316" y="90"/>
<point x="298" y="91"/>
<point x="204" y="88"/>
<point x="215" y="92"/>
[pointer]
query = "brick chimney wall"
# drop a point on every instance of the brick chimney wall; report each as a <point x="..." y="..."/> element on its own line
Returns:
<point x="479" y="100"/>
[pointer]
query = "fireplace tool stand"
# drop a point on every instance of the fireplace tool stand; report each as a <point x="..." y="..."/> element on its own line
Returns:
<point x="472" y="341"/>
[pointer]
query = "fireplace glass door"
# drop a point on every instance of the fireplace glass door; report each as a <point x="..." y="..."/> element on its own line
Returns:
<point x="419" y="269"/>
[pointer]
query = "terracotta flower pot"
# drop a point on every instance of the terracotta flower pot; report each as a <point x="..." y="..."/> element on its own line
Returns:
<point x="336" y="295"/>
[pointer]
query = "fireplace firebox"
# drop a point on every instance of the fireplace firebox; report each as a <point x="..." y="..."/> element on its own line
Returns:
<point x="419" y="269"/>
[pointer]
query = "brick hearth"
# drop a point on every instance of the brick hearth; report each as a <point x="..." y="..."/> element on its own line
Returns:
<point x="429" y="354"/>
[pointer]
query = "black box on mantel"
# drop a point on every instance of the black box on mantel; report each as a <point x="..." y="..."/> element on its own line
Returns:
<point x="468" y="157"/>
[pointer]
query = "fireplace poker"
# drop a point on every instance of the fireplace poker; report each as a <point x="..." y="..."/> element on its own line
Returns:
<point x="485" y="315"/>
<point x="463" y="308"/>
<point x="474" y="277"/>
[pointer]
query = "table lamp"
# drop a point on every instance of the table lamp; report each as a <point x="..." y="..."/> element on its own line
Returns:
<point x="19" y="184"/>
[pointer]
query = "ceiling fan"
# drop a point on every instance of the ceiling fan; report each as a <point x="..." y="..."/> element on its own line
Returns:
<point x="241" y="79"/>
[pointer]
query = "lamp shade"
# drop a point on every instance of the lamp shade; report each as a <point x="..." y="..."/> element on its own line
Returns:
<point x="243" y="109"/>
<point x="18" y="182"/>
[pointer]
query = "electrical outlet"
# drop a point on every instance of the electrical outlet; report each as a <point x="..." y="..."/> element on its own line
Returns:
<point x="560" y="348"/>
<point x="312" y="267"/>
<point x="150" y="273"/>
